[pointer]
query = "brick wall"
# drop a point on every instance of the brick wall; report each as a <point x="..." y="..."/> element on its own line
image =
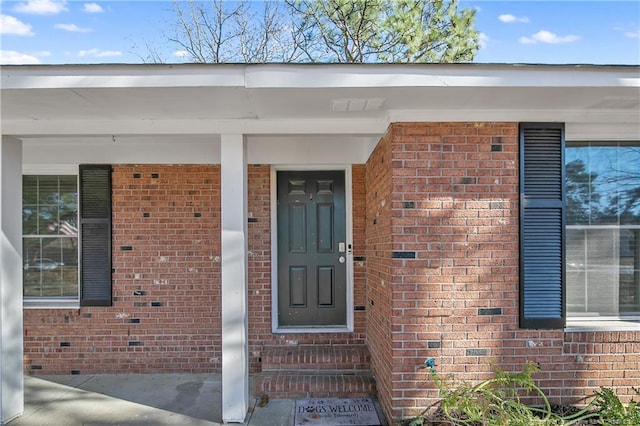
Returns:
<point x="442" y="278"/>
<point x="379" y="274"/>
<point x="166" y="283"/>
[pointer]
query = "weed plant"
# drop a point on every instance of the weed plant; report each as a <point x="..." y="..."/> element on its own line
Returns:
<point x="498" y="402"/>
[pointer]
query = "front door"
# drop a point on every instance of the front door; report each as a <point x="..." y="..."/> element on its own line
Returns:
<point x="312" y="269"/>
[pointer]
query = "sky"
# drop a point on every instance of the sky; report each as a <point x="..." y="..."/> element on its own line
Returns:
<point x="511" y="31"/>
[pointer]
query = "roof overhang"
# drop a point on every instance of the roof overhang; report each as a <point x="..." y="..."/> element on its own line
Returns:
<point x="358" y="100"/>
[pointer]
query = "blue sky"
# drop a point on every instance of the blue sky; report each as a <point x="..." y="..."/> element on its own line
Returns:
<point x="554" y="32"/>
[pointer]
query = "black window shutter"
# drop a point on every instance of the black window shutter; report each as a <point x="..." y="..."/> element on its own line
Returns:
<point x="95" y="234"/>
<point x="542" y="225"/>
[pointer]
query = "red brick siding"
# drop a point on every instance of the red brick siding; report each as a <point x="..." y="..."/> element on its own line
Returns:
<point x="454" y="206"/>
<point x="259" y="235"/>
<point x="359" y="221"/>
<point x="174" y="261"/>
<point x="379" y="271"/>
<point x="172" y="224"/>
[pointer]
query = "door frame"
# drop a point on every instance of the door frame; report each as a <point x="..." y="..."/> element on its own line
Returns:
<point x="275" y="327"/>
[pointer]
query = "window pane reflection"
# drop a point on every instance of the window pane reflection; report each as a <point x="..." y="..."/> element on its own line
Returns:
<point x="603" y="228"/>
<point x="50" y="236"/>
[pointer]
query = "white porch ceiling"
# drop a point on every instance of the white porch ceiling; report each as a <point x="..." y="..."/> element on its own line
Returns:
<point x="132" y="101"/>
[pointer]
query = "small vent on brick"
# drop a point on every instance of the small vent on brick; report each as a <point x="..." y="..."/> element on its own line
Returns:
<point x="496" y="148"/>
<point x="134" y="320"/>
<point x="359" y="258"/>
<point x="137" y="176"/>
<point x="155" y="175"/>
<point x="156" y="304"/>
<point x="434" y="344"/>
<point x="409" y="205"/>
<point x="135" y="343"/>
<point x="490" y="311"/>
<point x="476" y="352"/>
<point x="65" y="344"/>
<point x="146" y="214"/>
<point x="468" y="180"/>
<point x="36" y="367"/>
<point x="139" y="292"/>
<point x="358" y="308"/>
<point x="126" y="248"/>
<point x="75" y="372"/>
<point x="253" y="220"/>
<point x="404" y="255"/>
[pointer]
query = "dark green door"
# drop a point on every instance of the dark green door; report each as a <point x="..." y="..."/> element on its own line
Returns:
<point x="312" y="268"/>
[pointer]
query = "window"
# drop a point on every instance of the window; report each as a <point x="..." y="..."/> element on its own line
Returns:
<point x="603" y="229"/>
<point x="579" y="230"/>
<point x="50" y="237"/>
<point x="66" y="228"/>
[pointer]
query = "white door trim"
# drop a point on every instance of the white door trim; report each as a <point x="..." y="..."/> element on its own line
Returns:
<point x="275" y="327"/>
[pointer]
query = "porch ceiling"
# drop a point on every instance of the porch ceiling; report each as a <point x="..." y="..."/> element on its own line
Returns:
<point x="135" y="100"/>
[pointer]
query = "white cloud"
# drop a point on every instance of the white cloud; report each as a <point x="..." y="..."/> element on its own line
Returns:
<point x="92" y="8"/>
<point x="42" y="7"/>
<point x="548" y="37"/>
<point x="181" y="53"/>
<point x="11" y="25"/>
<point x="97" y="53"/>
<point x="632" y="34"/>
<point x="509" y="19"/>
<point x="72" y="28"/>
<point x="483" y="39"/>
<point x="11" y="57"/>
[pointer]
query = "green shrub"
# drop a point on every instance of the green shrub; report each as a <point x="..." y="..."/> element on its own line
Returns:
<point x="497" y="402"/>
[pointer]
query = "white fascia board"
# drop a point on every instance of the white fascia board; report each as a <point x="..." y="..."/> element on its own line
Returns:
<point x="193" y="127"/>
<point x="317" y="76"/>
<point x="440" y="75"/>
<point x="104" y="76"/>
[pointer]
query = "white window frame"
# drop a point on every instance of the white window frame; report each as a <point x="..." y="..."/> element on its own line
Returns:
<point x="53" y="302"/>
<point x="582" y="323"/>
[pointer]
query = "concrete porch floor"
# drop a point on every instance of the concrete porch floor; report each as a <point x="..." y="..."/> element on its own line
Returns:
<point x="137" y="399"/>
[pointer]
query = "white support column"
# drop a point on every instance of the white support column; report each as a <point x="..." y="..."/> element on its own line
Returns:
<point x="11" y="351"/>
<point x="235" y="349"/>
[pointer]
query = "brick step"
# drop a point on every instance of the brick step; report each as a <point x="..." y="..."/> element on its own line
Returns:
<point x="309" y="371"/>
<point x="337" y="359"/>
<point x="315" y="385"/>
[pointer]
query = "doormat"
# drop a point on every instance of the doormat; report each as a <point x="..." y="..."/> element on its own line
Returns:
<point x="336" y="412"/>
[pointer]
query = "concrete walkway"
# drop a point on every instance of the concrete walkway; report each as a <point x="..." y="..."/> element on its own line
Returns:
<point x="137" y="399"/>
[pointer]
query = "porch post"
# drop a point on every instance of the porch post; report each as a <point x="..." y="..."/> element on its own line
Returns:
<point x="11" y="351"/>
<point x="235" y="350"/>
